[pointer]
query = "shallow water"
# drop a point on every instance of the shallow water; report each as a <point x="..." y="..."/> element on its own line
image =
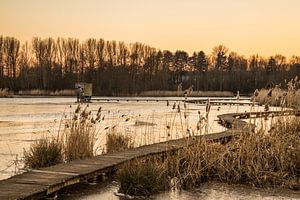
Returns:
<point x="209" y="191"/>
<point x="23" y="120"/>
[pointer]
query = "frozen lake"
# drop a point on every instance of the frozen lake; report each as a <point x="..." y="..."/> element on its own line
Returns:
<point x="23" y="120"/>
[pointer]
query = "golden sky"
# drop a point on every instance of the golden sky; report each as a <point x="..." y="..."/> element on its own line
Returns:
<point x="266" y="27"/>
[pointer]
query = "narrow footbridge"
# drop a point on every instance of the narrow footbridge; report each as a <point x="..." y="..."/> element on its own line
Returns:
<point x="37" y="184"/>
<point x="195" y="100"/>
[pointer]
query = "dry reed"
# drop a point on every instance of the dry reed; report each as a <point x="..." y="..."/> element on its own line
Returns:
<point x="142" y="178"/>
<point x="39" y="92"/>
<point x="284" y="96"/>
<point x="75" y="141"/>
<point x="262" y="159"/>
<point x="79" y="134"/>
<point x="43" y="153"/>
<point x="116" y="141"/>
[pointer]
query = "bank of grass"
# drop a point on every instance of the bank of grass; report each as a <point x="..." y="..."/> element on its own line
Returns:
<point x="4" y="92"/>
<point x="262" y="159"/>
<point x="39" y="92"/>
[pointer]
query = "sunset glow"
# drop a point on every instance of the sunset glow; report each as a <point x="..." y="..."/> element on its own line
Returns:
<point x="266" y="27"/>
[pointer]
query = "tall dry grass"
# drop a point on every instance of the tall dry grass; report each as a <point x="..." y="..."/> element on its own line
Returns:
<point x="39" y="92"/>
<point x="4" y="92"/>
<point x="116" y="141"/>
<point x="142" y="178"/>
<point x="285" y="96"/>
<point x="44" y="153"/>
<point x="262" y="159"/>
<point x="76" y="140"/>
<point x="79" y="133"/>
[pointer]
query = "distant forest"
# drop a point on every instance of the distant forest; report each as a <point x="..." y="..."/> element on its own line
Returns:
<point x="116" y="68"/>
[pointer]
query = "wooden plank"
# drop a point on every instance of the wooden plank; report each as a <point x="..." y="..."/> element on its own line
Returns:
<point x="11" y="191"/>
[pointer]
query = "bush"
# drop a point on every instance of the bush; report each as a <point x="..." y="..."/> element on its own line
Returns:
<point x="115" y="141"/>
<point x="141" y="179"/>
<point x="43" y="153"/>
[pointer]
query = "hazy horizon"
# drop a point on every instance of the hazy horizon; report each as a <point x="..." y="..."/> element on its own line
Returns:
<point x="247" y="27"/>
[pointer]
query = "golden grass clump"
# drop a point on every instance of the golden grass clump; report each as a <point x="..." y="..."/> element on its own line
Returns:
<point x="79" y="134"/>
<point x="142" y="178"/>
<point x="116" y="141"/>
<point x="44" y="153"/>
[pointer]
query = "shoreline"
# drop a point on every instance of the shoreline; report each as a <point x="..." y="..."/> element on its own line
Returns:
<point x="157" y="93"/>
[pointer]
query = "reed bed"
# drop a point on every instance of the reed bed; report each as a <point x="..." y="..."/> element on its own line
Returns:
<point x="4" y="92"/>
<point x="38" y="92"/>
<point x="285" y="96"/>
<point x="262" y="159"/>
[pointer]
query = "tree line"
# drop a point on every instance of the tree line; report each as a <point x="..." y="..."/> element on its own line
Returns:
<point x="117" y="68"/>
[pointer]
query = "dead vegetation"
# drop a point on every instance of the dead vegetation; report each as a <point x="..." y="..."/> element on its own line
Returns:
<point x="116" y="141"/>
<point x="284" y="96"/>
<point x="44" y="153"/>
<point x="262" y="159"/>
<point x="39" y="92"/>
<point x="36" y="92"/>
<point x="79" y="134"/>
<point x="142" y="178"/>
<point x="75" y="141"/>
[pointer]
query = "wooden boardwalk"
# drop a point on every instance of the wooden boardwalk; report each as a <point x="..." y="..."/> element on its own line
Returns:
<point x="38" y="184"/>
<point x="233" y="120"/>
<point x="199" y="100"/>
